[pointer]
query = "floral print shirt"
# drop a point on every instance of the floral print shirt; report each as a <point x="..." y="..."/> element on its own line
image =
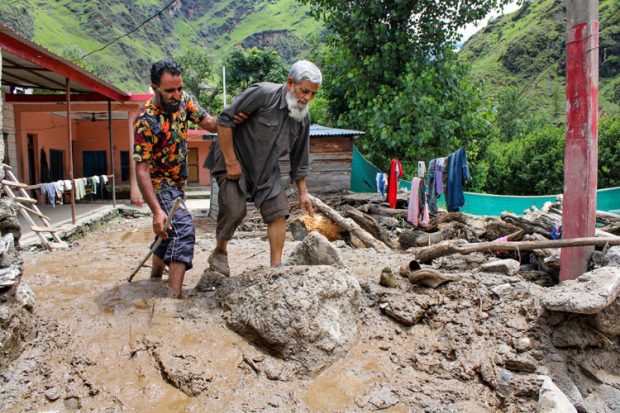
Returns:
<point x="160" y="138"/>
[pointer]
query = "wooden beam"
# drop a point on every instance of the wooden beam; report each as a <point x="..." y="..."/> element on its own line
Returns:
<point x="37" y="74"/>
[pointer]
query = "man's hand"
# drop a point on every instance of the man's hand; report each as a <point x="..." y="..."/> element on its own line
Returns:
<point x="240" y="117"/>
<point x="159" y="221"/>
<point x="306" y="204"/>
<point x="233" y="170"/>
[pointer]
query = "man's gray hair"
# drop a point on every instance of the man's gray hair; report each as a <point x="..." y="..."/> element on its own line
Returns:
<point x="305" y="70"/>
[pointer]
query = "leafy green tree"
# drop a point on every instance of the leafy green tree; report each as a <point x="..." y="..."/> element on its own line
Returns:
<point x="197" y="66"/>
<point x="245" y="67"/>
<point x="390" y="69"/>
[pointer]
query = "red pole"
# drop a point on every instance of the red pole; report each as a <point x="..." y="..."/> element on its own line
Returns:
<point x="581" y="153"/>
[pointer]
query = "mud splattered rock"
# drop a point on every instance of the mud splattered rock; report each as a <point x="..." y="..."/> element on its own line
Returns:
<point x="379" y="398"/>
<point x="304" y="314"/>
<point x="315" y="250"/>
<point x="608" y="320"/>
<point x="588" y="294"/>
<point x="508" y="267"/>
<point x="461" y="262"/>
<point x="402" y="309"/>
<point x="184" y="372"/>
<point x="552" y="400"/>
<point x="25" y="296"/>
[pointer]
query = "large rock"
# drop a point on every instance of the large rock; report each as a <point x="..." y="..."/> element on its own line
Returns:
<point x="588" y="294"/>
<point x="304" y="314"/>
<point x="552" y="400"/>
<point x="315" y="250"/>
<point x="458" y="262"/>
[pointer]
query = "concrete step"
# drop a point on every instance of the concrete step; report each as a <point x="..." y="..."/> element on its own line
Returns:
<point x="198" y="194"/>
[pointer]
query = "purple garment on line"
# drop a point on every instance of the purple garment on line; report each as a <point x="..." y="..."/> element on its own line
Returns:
<point x="439" y="176"/>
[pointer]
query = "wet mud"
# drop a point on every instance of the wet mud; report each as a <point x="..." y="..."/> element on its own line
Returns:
<point x="107" y="345"/>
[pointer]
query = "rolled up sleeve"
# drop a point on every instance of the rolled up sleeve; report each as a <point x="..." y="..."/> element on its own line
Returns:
<point x="247" y="102"/>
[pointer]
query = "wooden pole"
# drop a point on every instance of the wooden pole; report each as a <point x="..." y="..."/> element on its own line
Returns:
<point x="581" y="153"/>
<point x="70" y="150"/>
<point x="425" y="254"/>
<point x="111" y="153"/>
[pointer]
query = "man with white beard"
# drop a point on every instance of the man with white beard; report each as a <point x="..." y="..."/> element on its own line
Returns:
<point x="245" y="160"/>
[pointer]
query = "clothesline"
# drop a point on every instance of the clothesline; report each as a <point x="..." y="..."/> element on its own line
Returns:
<point x="38" y="186"/>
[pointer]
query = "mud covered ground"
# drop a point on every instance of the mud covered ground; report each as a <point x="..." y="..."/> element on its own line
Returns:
<point x="106" y="345"/>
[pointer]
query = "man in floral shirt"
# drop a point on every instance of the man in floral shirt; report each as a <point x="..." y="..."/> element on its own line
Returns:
<point x="160" y="152"/>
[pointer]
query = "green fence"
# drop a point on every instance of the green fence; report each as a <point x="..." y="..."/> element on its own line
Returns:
<point x="363" y="179"/>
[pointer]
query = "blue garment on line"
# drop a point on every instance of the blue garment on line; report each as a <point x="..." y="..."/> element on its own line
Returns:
<point x="458" y="173"/>
<point x="50" y="190"/>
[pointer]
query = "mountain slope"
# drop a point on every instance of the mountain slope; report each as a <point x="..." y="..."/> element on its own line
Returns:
<point x="73" y="29"/>
<point x="526" y="50"/>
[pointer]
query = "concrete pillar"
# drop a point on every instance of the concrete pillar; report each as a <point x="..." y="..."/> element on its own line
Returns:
<point x="581" y="153"/>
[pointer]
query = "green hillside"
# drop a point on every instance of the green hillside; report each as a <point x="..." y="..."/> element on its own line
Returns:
<point x="73" y="29"/>
<point x="526" y="50"/>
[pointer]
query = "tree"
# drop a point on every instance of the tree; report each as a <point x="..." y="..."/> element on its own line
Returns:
<point x="197" y="69"/>
<point x="390" y="69"/>
<point x="245" y="67"/>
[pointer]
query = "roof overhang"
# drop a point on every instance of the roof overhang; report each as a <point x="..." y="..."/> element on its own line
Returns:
<point x="26" y="64"/>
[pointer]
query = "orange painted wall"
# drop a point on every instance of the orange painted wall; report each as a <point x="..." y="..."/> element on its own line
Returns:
<point x="94" y="136"/>
<point x="50" y="133"/>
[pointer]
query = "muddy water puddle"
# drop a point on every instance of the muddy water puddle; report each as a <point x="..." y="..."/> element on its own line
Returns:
<point x="122" y="330"/>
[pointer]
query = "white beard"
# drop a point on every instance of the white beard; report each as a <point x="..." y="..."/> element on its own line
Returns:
<point x="295" y="110"/>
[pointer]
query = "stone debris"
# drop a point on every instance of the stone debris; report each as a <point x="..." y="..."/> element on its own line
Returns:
<point x="315" y="249"/>
<point x="588" y="294"/>
<point x="507" y="266"/>
<point x="552" y="400"/>
<point x="431" y="278"/>
<point x="302" y="313"/>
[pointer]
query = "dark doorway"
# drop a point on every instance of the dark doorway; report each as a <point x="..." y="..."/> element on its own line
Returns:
<point x="57" y="171"/>
<point x="124" y="166"/>
<point x="31" y="159"/>
<point x="192" y="165"/>
<point x="95" y="163"/>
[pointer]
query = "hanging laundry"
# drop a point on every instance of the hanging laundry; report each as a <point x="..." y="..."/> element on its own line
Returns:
<point x="95" y="183"/>
<point x="413" y="209"/>
<point x="49" y="189"/>
<point x="421" y="169"/>
<point x="60" y="187"/>
<point x="439" y="175"/>
<point x="396" y="172"/>
<point x="381" y="179"/>
<point x="104" y="179"/>
<point x="67" y="185"/>
<point x="458" y="174"/>
<point x="431" y="189"/>
<point x="80" y="188"/>
<point x="417" y="210"/>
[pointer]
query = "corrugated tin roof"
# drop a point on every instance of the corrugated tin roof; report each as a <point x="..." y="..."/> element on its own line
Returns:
<point x="29" y="65"/>
<point x="315" y="130"/>
<point x="318" y="130"/>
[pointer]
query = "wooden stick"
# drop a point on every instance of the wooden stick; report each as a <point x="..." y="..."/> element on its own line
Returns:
<point x="348" y="224"/>
<point x="429" y="253"/>
<point x="32" y="211"/>
<point x="176" y="204"/>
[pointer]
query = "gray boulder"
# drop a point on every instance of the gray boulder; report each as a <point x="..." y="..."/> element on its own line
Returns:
<point x="588" y="294"/>
<point x="303" y="314"/>
<point x="315" y="249"/>
<point x="508" y="266"/>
